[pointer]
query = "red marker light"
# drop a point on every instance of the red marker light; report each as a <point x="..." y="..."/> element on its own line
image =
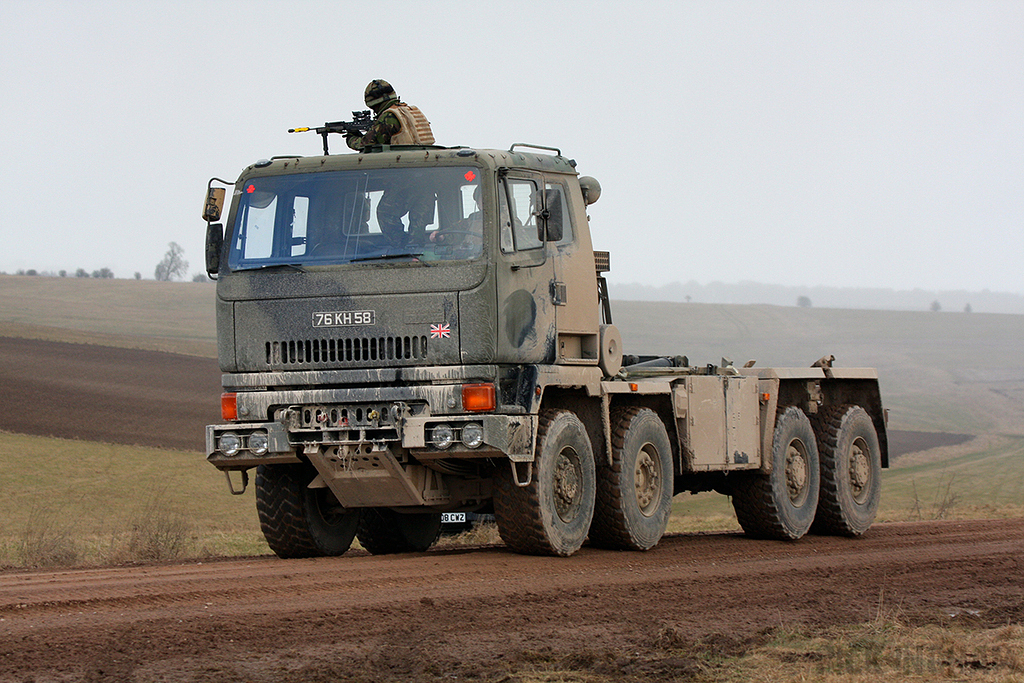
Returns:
<point x="470" y="176"/>
<point x="250" y="189"/>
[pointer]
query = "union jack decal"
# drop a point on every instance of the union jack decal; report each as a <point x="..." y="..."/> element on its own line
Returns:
<point x="440" y="331"/>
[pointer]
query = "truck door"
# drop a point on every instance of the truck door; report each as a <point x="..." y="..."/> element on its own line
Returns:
<point x="525" y="273"/>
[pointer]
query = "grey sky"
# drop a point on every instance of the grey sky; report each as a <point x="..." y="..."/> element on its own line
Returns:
<point x="876" y="144"/>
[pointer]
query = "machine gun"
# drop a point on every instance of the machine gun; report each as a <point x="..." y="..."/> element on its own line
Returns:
<point x="360" y="123"/>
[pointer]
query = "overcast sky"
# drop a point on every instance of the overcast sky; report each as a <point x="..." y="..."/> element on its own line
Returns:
<point x="875" y="144"/>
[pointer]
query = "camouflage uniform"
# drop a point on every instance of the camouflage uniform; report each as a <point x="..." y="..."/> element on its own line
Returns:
<point x="398" y="201"/>
<point x="384" y="127"/>
<point x="396" y="122"/>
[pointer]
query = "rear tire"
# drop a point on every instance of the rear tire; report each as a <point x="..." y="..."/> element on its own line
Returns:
<point x="298" y="521"/>
<point x="781" y="505"/>
<point x="851" y="471"/>
<point x="552" y="514"/>
<point x="383" y="531"/>
<point x="634" y="493"/>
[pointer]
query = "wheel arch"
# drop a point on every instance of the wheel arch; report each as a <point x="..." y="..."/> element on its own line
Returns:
<point x="866" y="394"/>
<point x="589" y="409"/>
<point x="661" y="404"/>
<point x="813" y="395"/>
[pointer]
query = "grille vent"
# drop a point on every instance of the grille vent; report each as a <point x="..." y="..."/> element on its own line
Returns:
<point x="352" y="350"/>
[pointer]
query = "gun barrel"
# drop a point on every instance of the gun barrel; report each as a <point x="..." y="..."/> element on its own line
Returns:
<point x="297" y="130"/>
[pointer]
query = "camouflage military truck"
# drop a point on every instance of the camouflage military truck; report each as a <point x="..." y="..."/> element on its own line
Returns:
<point x="412" y="334"/>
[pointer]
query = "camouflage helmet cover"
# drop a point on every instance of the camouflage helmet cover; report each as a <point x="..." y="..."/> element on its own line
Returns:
<point x="377" y="92"/>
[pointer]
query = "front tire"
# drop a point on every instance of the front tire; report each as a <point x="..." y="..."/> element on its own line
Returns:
<point x="781" y="505"/>
<point x="298" y="521"/>
<point x="634" y="493"/>
<point x="383" y="531"/>
<point x="551" y="515"/>
<point x="851" y="471"/>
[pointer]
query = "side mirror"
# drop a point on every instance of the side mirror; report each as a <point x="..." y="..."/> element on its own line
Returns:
<point x="214" y="242"/>
<point x="214" y="204"/>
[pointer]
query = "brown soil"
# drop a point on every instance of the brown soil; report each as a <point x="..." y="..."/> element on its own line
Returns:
<point x="474" y="613"/>
<point x="101" y="393"/>
<point x="487" y="614"/>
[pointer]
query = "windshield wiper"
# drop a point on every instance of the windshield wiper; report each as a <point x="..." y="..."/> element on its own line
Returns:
<point x="291" y="266"/>
<point x="387" y="257"/>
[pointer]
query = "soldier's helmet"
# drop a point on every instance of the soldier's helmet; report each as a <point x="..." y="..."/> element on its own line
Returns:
<point x="378" y="92"/>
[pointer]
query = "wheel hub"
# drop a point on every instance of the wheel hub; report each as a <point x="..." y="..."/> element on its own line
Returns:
<point x="647" y="482"/>
<point x="860" y="469"/>
<point x="796" y="472"/>
<point x="567" y="484"/>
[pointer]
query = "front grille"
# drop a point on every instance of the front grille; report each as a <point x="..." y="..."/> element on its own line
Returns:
<point x="351" y="350"/>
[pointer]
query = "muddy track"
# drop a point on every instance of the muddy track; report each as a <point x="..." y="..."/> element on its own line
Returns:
<point x="485" y="612"/>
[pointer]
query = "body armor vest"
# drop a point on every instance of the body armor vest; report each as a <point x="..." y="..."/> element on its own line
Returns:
<point x="415" y="127"/>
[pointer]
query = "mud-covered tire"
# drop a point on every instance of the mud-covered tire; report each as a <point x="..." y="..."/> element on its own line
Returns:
<point x="851" y="471"/>
<point x="634" y="493"/>
<point x="298" y="521"/>
<point x="781" y="505"/>
<point x="552" y="514"/>
<point x="383" y="531"/>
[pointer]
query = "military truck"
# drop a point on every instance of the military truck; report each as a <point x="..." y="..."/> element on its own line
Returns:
<point x="412" y="334"/>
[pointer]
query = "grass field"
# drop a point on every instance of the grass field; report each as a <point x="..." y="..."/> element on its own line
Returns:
<point x="80" y="502"/>
<point x="160" y="316"/>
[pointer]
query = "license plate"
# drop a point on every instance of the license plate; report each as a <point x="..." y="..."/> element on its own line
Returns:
<point x="343" y="318"/>
<point x="453" y="518"/>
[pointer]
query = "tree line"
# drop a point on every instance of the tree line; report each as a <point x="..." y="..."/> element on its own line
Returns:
<point x="173" y="266"/>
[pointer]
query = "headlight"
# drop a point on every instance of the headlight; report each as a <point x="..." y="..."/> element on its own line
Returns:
<point x="229" y="443"/>
<point x="259" y="444"/>
<point x="472" y="434"/>
<point x="441" y="436"/>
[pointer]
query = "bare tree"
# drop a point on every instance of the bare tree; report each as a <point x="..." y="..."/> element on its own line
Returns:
<point x="173" y="266"/>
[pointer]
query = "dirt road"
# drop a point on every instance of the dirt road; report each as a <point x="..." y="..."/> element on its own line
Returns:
<point x="483" y="613"/>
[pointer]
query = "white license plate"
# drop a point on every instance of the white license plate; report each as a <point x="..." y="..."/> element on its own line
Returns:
<point x="453" y="518"/>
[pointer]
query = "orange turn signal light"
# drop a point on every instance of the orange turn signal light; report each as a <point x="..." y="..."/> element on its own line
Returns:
<point x="229" y="406"/>
<point x="478" y="397"/>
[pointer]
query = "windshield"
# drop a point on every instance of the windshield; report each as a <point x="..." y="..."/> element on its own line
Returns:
<point x="426" y="214"/>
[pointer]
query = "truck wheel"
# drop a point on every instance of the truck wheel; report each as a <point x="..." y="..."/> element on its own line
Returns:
<point x="851" y="471"/>
<point x="383" y="531"/>
<point x="551" y="515"/>
<point x="634" y="493"/>
<point x="781" y="505"/>
<point x="298" y="521"/>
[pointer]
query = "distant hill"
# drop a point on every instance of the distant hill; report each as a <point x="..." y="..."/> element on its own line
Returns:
<point x="822" y="297"/>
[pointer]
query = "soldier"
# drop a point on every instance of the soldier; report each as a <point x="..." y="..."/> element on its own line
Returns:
<point x="396" y="123"/>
